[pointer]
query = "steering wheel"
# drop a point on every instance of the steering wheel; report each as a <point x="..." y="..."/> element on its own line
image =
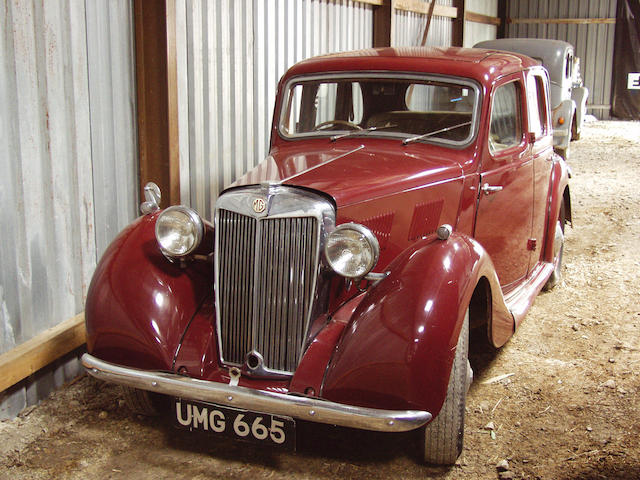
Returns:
<point x="345" y="123"/>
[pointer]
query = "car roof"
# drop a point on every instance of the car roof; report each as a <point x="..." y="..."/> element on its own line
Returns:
<point x="482" y="65"/>
<point x="551" y="52"/>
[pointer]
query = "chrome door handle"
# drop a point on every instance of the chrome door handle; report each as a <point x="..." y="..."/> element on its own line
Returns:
<point x="489" y="189"/>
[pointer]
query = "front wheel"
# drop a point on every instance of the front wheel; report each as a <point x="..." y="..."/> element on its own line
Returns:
<point x="443" y="437"/>
<point x="140" y="401"/>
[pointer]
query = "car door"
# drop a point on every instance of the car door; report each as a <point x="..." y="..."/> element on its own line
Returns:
<point x="541" y="138"/>
<point x="505" y="204"/>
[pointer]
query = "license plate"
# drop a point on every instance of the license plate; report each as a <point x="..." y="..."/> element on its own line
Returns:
<point x="240" y="424"/>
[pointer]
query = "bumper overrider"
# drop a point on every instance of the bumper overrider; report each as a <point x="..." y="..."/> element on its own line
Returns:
<point x="304" y="408"/>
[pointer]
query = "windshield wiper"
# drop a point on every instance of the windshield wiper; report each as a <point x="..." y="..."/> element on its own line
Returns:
<point x="406" y="141"/>
<point x="358" y="132"/>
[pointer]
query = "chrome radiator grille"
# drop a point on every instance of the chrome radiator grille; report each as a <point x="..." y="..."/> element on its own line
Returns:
<point x="267" y="268"/>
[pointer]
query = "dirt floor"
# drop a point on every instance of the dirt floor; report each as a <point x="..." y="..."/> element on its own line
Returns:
<point x="567" y="407"/>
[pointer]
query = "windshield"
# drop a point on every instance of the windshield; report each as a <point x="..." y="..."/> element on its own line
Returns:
<point x="404" y="107"/>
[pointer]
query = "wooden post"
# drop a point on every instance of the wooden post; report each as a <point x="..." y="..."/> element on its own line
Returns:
<point x="157" y="97"/>
<point x="502" y="14"/>
<point x="382" y="24"/>
<point x="457" y="31"/>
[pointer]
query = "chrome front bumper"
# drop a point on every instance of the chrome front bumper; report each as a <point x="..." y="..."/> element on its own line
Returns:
<point x="304" y="408"/>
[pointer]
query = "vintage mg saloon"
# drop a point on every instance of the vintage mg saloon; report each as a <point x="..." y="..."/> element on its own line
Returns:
<point x="410" y="195"/>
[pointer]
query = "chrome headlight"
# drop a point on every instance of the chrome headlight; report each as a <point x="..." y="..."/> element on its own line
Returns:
<point x="352" y="250"/>
<point x="179" y="231"/>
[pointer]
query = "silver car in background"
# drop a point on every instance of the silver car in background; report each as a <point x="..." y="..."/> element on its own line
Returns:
<point x="568" y="94"/>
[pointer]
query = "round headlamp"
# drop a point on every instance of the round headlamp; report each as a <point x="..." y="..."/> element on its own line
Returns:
<point x="352" y="250"/>
<point x="179" y="231"/>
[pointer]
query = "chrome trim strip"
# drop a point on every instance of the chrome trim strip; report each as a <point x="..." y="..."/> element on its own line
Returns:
<point x="272" y="403"/>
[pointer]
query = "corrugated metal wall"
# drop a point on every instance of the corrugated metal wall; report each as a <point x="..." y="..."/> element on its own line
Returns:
<point x="409" y="28"/>
<point x="593" y="43"/>
<point x="68" y="157"/>
<point x="477" y="32"/>
<point x="230" y="57"/>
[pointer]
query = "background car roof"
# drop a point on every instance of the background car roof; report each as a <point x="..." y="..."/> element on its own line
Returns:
<point x="482" y="65"/>
<point x="551" y="52"/>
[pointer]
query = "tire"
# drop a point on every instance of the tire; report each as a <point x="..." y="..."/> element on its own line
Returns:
<point x="558" y="249"/>
<point x="443" y="437"/>
<point x="140" y="401"/>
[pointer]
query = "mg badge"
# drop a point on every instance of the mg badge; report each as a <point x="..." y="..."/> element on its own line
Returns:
<point x="259" y="205"/>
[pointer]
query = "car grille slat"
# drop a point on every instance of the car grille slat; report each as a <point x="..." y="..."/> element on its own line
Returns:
<point x="266" y="276"/>
<point x="236" y="259"/>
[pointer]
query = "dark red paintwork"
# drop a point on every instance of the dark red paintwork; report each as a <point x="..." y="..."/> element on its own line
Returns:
<point x="139" y="303"/>
<point x="391" y="346"/>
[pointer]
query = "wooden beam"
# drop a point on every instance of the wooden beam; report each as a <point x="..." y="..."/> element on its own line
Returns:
<point x="383" y="24"/>
<point x="157" y="106"/>
<point x="371" y="2"/>
<point x="556" y="21"/>
<point x="480" y="18"/>
<point x="426" y="28"/>
<point x="43" y="349"/>
<point x="172" y="104"/>
<point x="417" y="6"/>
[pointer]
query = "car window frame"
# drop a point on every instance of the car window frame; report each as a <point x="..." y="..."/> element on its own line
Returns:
<point x="545" y="122"/>
<point x="401" y="75"/>
<point x="522" y="105"/>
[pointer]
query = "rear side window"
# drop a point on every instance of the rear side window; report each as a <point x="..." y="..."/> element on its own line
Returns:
<point x="536" y="105"/>
<point x="506" y="125"/>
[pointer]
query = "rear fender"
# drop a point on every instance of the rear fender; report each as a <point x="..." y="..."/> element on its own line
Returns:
<point x="397" y="350"/>
<point x="139" y="303"/>
<point x="558" y="192"/>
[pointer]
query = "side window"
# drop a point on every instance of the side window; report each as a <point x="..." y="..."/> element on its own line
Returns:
<point x="536" y="104"/>
<point x="568" y="65"/>
<point x="506" y="128"/>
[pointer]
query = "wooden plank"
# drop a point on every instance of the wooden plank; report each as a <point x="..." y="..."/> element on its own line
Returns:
<point x="43" y="349"/>
<point x="417" y="6"/>
<point x="371" y="2"/>
<point x="558" y="21"/>
<point x="172" y="104"/>
<point x="480" y="18"/>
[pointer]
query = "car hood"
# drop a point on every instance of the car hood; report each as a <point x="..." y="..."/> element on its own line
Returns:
<point x="354" y="172"/>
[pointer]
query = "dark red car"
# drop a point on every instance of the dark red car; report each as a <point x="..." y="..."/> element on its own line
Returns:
<point x="410" y="195"/>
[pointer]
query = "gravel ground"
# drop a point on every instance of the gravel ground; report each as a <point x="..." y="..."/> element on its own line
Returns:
<point x="566" y="408"/>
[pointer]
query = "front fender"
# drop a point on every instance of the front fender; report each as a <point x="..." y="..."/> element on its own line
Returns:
<point x="139" y="304"/>
<point x="398" y="349"/>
